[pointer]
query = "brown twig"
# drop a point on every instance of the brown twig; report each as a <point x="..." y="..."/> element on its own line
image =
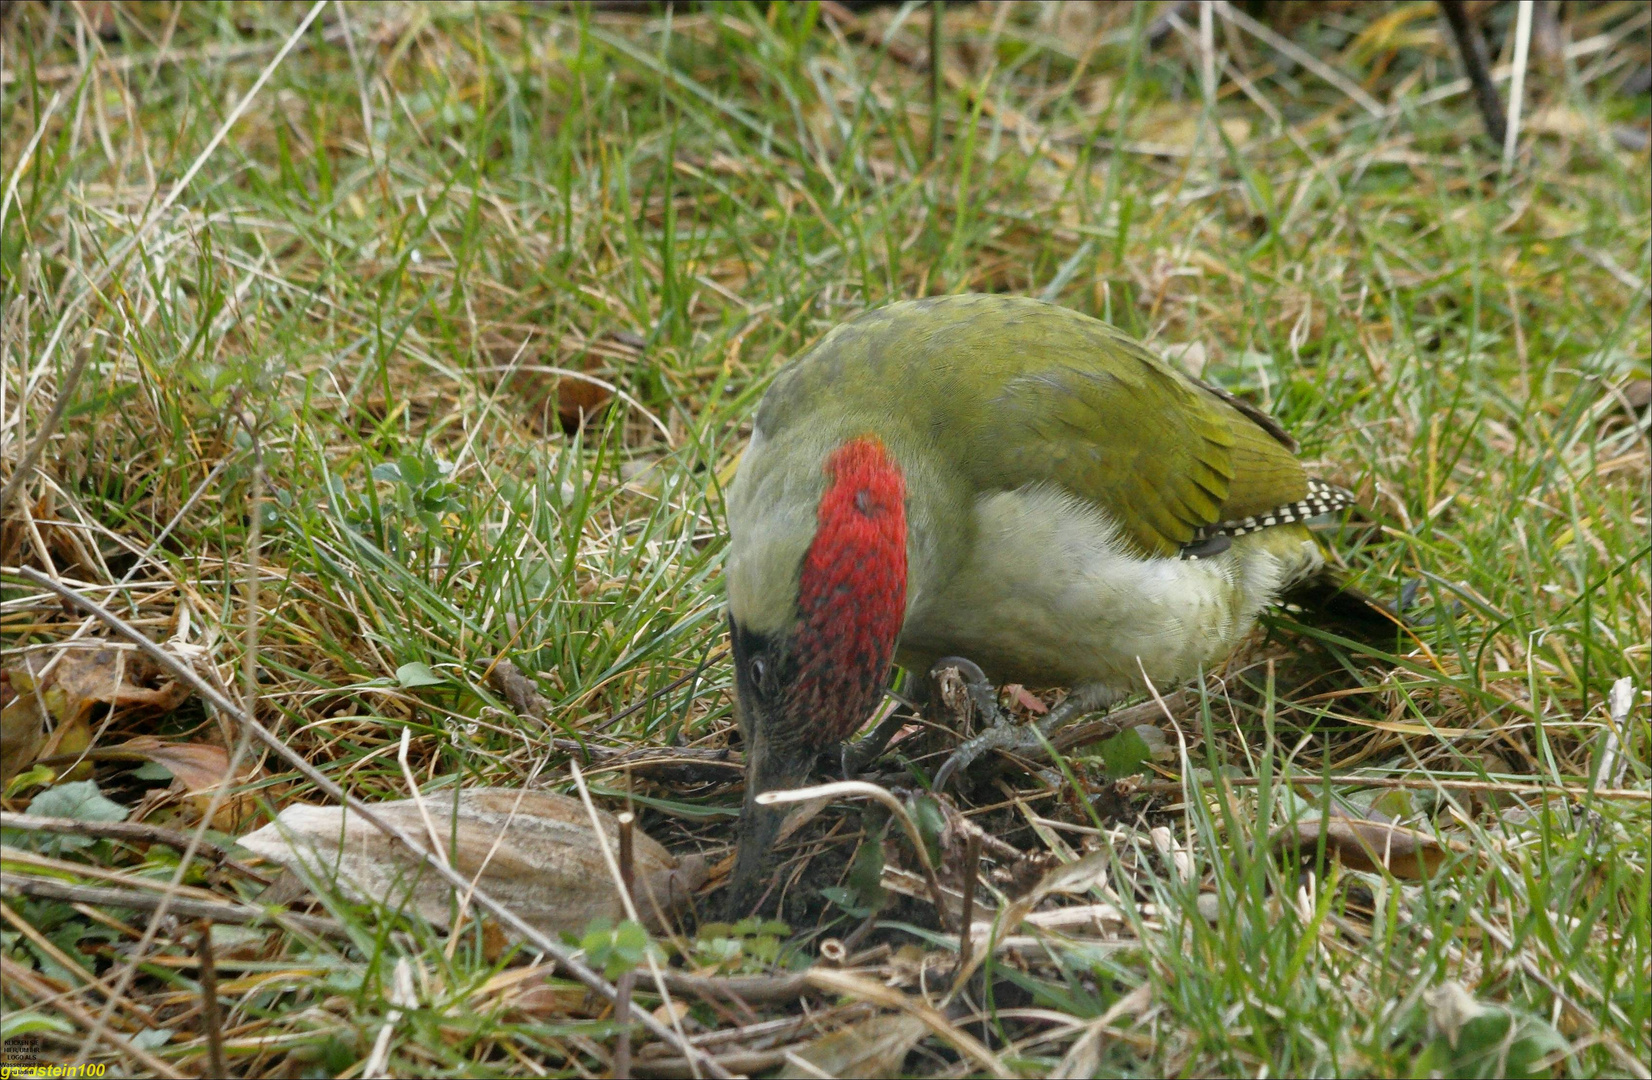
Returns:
<point x="1114" y="722"/>
<point x="972" y="868"/>
<point x="211" y="1018"/>
<point x="1471" y="47"/>
<point x="135" y="831"/>
<point x="747" y="1062"/>
<point x="279" y="747"/>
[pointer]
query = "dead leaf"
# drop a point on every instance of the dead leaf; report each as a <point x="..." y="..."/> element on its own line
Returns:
<point x="22" y="723"/>
<point x="800" y="815"/>
<point x="533" y="850"/>
<point x="69" y="742"/>
<point x="79" y="680"/>
<point x="1072" y="879"/>
<point x="113" y="677"/>
<point x="1023" y="697"/>
<point x="194" y="766"/>
<point x="197" y="770"/>
<point x="517" y="689"/>
<point x="573" y="377"/>
<point x="579" y="401"/>
<point x="876" y="1047"/>
<point x="1372" y="846"/>
<point x="673" y="1012"/>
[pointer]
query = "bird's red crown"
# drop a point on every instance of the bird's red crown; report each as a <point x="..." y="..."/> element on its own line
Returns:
<point x="852" y="590"/>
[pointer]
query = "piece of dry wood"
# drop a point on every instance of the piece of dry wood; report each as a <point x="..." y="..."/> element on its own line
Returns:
<point x="1372" y="846"/>
<point x="533" y="850"/>
<point x="745" y="1062"/>
<point x="751" y="989"/>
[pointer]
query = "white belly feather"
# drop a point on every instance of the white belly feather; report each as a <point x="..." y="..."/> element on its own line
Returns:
<point x="1052" y="597"/>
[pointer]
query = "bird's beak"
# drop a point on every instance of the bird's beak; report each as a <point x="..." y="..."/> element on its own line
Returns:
<point x="771" y="764"/>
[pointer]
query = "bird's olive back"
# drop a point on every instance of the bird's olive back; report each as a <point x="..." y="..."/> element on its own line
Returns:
<point x="1009" y="391"/>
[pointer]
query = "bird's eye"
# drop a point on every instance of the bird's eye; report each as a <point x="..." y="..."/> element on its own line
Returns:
<point x="758" y="669"/>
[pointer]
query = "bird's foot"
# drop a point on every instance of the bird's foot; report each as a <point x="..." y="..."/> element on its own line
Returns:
<point x="1002" y="736"/>
<point x="1028" y="740"/>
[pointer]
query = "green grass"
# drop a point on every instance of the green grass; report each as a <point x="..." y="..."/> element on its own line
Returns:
<point x="429" y="212"/>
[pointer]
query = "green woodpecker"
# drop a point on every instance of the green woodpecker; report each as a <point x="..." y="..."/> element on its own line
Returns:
<point x="1004" y="480"/>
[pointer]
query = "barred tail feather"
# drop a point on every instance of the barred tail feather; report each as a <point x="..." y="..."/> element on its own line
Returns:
<point x="1322" y="498"/>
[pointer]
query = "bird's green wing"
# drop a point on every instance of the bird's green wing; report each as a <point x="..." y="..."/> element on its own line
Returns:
<point x="1078" y="404"/>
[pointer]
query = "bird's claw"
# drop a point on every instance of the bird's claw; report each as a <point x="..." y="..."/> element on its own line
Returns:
<point x="1029" y="740"/>
<point x="855" y="756"/>
<point x="996" y="737"/>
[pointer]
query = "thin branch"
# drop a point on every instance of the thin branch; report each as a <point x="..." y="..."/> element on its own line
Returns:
<point x="1471" y="47"/>
<point x="211" y="1016"/>
<point x="139" y="832"/>
<point x="230" y="914"/>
